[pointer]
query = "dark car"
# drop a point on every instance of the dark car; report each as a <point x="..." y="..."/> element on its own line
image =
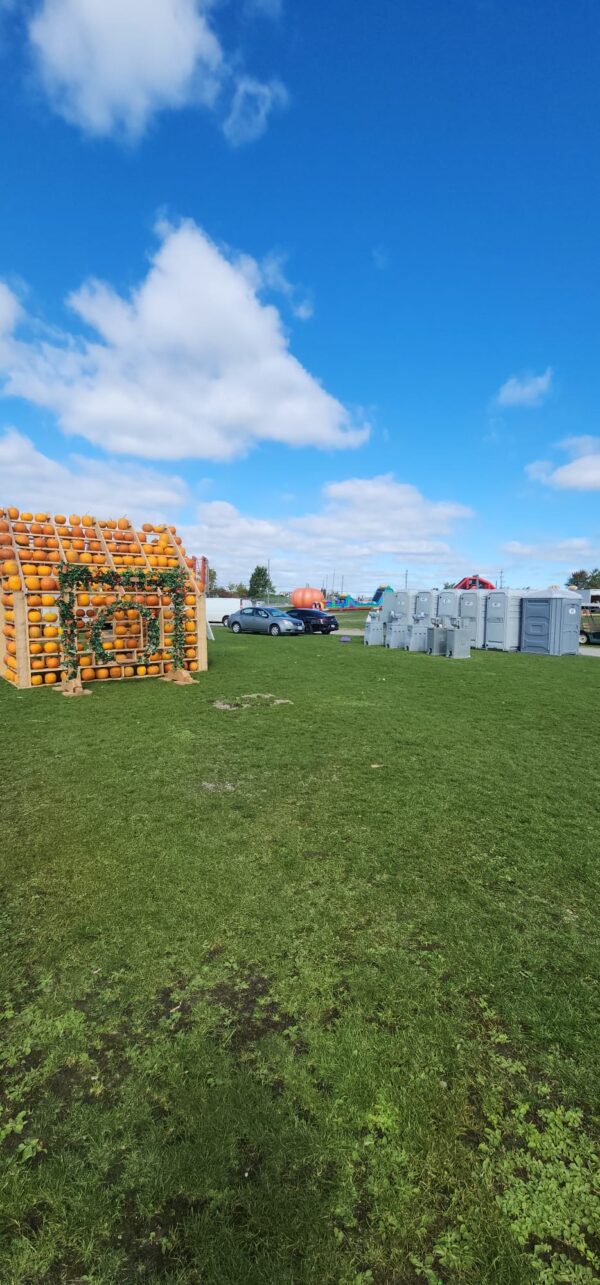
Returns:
<point x="314" y="621"/>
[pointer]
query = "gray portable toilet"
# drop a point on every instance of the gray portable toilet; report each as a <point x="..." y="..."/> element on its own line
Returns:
<point x="550" y="622"/>
<point x="403" y="605"/>
<point x="448" y="607"/>
<point x="503" y="620"/>
<point x="426" y="602"/>
<point x="374" y="631"/>
<point x="472" y="612"/>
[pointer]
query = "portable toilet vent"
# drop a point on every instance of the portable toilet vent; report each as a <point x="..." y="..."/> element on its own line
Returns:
<point x="551" y="622"/>
<point x="374" y="631"/>
<point x="503" y="620"/>
<point x="448" y="607"/>
<point x="472" y="613"/>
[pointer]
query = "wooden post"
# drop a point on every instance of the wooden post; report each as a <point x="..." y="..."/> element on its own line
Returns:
<point x="22" y="640"/>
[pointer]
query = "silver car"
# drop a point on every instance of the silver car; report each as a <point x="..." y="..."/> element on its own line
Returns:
<point x="264" y="620"/>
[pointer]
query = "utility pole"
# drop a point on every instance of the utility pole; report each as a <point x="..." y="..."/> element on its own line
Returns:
<point x="406" y="579"/>
<point x="501" y="585"/>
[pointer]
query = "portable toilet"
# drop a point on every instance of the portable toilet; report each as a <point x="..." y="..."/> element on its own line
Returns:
<point x="472" y="613"/>
<point x="448" y="607"/>
<point x="550" y="622"/>
<point x="426" y="606"/>
<point x="403" y="605"/>
<point x="503" y="620"/>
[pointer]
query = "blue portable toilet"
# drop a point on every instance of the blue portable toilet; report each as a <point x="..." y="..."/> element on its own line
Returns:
<point x="550" y="622"/>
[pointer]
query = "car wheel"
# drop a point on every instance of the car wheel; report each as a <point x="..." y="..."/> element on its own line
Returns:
<point x="583" y="640"/>
<point x="236" y="628"/>
<point x="274" y="631"/>
<point x="307" y="627"/>
<point x="224" y="620"/>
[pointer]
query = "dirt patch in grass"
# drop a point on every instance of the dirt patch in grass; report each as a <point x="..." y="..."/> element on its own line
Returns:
<point x="155" y="1245"/>
<point x="249" y="1012"/>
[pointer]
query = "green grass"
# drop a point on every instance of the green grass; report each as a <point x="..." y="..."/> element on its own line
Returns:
<point x="303" y="994"/>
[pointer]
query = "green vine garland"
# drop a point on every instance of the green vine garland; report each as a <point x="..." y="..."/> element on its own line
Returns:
<point x="73" y="577"/>
<point x="104" y="617"/>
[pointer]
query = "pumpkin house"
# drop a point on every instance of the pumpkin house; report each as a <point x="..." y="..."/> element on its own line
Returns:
<point x="87" y="600"/>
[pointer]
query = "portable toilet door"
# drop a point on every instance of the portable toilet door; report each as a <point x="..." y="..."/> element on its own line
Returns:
<point x="426" y="605"/>
<point x="503" y="620"/>
<point x="448" y="604"/>
<point x="387" y="604"/>
<point x="472" y="611"/>
<point x="403" y="605"/>
<point x="550" y="623"/>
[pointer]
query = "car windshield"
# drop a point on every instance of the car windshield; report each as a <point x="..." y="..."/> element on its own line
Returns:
<point x="275" y="611"/>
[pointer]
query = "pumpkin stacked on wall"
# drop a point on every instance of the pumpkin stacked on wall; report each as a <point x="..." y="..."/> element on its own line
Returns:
<point x="34" y="547"/>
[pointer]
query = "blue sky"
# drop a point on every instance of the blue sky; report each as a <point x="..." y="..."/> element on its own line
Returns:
<point x="319" y="283"/>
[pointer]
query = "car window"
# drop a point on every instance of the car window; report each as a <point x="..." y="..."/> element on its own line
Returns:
<point x="247" y="611"/>
<point x="264" y="614"/>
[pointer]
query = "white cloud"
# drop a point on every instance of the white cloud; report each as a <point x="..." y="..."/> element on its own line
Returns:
<point x="104" y="487"/>
<point x="582" y="473"/>
<point x="367" y="528"/>
<point x="562" y="551"/>
<point x="107" y="488"/>
<point x="10" y="310"/>
<point x="528" y="390"/>
<point x="108" y="66"/>
<point x="190" y="365"/>
<point x="273" y="277"/>
<point x="252" y="104"/>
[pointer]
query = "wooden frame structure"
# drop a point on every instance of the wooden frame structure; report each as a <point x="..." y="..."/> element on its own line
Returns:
<point x="34" y="548"/>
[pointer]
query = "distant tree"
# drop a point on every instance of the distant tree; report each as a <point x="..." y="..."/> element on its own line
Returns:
<point x="260" y="583"/>
<point x="448" y="584"/>
<point x="585" y="579"/>
<point x="212" y="581"/>
<point x="240" y="590"/>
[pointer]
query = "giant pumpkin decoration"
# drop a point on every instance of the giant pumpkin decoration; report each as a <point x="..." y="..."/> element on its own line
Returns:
<point x="307" y="598"/>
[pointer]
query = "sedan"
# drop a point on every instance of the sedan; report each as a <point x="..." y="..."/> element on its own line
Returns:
<point x="264" y="620"/>
<point x="314" y="620"/>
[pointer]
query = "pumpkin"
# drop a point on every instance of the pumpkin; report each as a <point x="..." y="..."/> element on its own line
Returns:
<point x="50" y="648"/>
<point x="14" y="583"/>
<point x="102" y="673"/>
<point x="115" y="671"/>
<point x="32" y="582"/>
<point x="27" y="517"/>
<point x="60" y="519"/>
<point x="128" y="671"/>
<point x="87" y="674"/>
<point x="36" y="680"/>
<point x="52" y="662"/>
<point x="13" y="513"/>
<point x="74" y="519"/>
<point x="141" y="671"/>
<point x="49" y="679"/>
<point x="123" y="524"/>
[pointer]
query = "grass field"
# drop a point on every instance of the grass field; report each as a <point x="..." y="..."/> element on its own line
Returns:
<point x="303" y="994"/>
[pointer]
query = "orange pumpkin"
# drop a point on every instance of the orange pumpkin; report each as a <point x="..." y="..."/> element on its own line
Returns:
<point x="87" y="674"/>
<point x="36" y="680"/>
<point x="102" y="673"/>
<point x="49" y="679"/>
